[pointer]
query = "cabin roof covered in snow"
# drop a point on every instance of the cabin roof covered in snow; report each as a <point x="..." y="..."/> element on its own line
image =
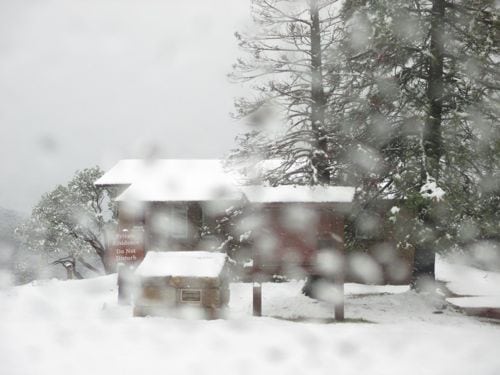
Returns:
<point x="188" y="180"/>
<point x="299" y="194"/>
<point x="181" y="264"/>
<point x="125" y="172"/>
<point x="178" y="180"/>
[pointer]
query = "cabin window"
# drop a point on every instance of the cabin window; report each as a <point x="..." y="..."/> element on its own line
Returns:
<point x="178" y="222"/>
<point x="191" y="295"/>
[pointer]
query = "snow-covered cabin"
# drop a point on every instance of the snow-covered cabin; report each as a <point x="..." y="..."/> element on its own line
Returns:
<point x="187" y="205"/>
<point x="198" y="204"/>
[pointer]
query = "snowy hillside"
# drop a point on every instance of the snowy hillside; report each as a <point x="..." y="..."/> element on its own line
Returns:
<point x="10" y="247"/>
<point x="9" y="220"/>
<point x="76" y="327"/>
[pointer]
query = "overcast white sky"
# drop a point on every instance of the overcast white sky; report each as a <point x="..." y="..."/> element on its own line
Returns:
<point x="86" y="82"/>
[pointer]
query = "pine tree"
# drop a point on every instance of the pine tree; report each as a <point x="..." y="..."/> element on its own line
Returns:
<point x="410" y="110"/>
<point x="429" y="81"/>
<point x="290" y="68"/>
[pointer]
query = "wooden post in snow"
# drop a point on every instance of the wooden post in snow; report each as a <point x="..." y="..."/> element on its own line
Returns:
<point x="339" y="277"/>
<point x="125" y="274"/>
<point x="122" y="297"/>
<point x="339" y="298"/>
<point x="257" y="299"/>
<point x="257" y="286"/>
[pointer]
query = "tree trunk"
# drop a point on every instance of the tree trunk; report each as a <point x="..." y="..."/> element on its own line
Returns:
<point x="423" y="266"/>
<point x="432" y="138"/>
<point x="88" y="265"/>
<point x="425" y="252"/>
<point x="107" y="267"/>
<point x="318" y="100"/>
<point x="102" y="254"/>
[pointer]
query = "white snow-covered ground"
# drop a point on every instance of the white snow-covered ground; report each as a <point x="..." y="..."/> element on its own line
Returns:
<point x="76" y="327"/>
<point x="476" y="288"/>
<point x="467" y="281"/>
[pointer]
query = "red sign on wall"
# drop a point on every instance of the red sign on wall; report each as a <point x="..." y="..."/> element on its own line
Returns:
<point x="128" y="247"/>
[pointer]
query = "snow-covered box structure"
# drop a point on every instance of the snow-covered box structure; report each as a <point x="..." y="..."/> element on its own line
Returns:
<point x="169" y="280"/>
